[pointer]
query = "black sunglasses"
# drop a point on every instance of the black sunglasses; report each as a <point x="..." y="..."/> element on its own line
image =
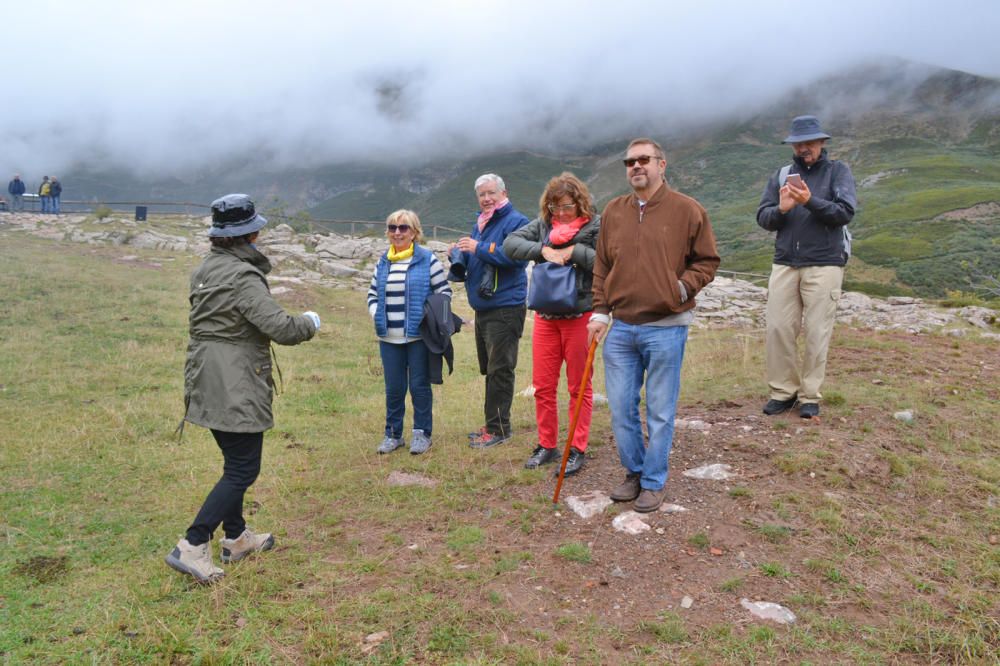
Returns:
<point x="643" y="160"/>
<point x="393" y="228"/>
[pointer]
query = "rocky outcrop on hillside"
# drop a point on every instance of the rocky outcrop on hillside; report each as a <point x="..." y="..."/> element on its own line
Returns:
<point x="346" y="261"/>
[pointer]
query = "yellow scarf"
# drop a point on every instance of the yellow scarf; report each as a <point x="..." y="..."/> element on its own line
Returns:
<point x="398" y="256"/>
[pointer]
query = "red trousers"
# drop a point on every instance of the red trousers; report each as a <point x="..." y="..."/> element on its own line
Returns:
<point x="552" y="342"/>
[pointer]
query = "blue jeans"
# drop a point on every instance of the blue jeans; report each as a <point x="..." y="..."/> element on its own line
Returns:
<point x="45" y="203"/>
<point x="405" y="366"/>
<point x="655" y="353"/>
<point x="54" y="204"/>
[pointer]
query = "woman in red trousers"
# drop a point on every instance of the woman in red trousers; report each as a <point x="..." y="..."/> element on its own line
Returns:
<point x="564" y="233"/>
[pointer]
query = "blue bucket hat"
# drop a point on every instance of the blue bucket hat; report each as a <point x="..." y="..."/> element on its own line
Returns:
<point x="805" y="128"/>
<point x="234" y="215"/>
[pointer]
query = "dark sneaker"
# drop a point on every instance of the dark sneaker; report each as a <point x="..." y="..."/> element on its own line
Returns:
<point x="574" y="463"/>
<point x="809" y="410"/>
<point x="234" y="550"/>
<point x="541" y="456"/>
<point x="649" y="500"/>
<point x="774" y="407"/>
<point x="628" y="490"/>
<point x="479" y="433"/>
<point x="488" y="439"/>
<point x="390" y="444"/>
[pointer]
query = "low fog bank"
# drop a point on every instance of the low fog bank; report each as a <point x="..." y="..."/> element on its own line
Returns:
<point x="164" y="90"/>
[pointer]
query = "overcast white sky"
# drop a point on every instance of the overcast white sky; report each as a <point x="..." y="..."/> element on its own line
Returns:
<point x="174" y="84"/>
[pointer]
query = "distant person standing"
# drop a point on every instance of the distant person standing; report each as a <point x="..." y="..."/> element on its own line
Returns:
<point x="809" y="203"/>
<point x="227" y="378"/>
<point x="45" y="193"/>
<point x="55" y="191"/>
<point x="655" y="252"/>
<point x="497" y="288"/>
<point x="16" y="190"/>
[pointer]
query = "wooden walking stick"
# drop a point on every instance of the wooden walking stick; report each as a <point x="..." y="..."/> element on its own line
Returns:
<point x="575" y="421"/>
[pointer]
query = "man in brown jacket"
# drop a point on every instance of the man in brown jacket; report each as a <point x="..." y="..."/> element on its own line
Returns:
<point x="656" y="251"/>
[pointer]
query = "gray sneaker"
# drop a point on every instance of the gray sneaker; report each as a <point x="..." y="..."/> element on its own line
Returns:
<point x="419" y="443"/>
<point x="390" y="444"/>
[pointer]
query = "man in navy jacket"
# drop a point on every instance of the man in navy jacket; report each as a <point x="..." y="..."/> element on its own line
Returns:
<point x="497" y="288"/>
<point x="809" y="203"/>
<point x="16" y="189"/>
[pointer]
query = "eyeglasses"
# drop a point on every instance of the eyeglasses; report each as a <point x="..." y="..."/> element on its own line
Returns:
<point x="401" y="228"/>
<point x="643" y="160"/>
<point x="564" y="208"/>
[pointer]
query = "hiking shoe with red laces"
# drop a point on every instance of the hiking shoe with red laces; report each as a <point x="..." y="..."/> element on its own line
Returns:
<point x="488" y="439"/>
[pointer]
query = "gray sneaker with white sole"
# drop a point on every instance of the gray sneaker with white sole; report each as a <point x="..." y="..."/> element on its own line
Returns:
<point x="390" y="444"/>
<point x="419" y="443"/>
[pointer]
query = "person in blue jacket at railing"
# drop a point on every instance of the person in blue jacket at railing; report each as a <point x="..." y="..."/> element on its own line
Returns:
<point x="497" y="288"/>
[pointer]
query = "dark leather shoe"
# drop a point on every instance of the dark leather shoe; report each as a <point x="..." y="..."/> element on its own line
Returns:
<point x="574" y="463"/>
<point x="774" y="407"/>
<point x="628" y="490"/>
<point x="541" y="456"/>
<point x="649" y="500"/>
<point x="809" y="410"/>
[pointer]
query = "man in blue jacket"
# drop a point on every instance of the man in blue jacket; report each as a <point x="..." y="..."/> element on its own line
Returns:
<point x="497" y="288"/>
<point x="809" y="203"/>
<point x="16" y="189"/>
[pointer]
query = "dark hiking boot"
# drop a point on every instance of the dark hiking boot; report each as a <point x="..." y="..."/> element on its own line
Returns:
<point x="649" y="500"/>
<point x="574" y="463"/>
<point x="775" y="407"/>
<point x="541" y="456"/>
<point x="628" y="490"/>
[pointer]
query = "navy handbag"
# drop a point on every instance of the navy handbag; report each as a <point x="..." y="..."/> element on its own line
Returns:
<point x="552" y="289"/>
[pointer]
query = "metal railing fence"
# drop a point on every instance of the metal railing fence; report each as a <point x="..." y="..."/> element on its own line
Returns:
<point x="188" y="208"/>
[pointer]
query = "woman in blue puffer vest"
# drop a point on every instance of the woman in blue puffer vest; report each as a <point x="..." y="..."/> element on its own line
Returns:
<point x="403" y="279"/>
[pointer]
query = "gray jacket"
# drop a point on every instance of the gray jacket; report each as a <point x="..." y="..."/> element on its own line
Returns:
<point x="233" y="319"/>
<point x="526" y="244"/>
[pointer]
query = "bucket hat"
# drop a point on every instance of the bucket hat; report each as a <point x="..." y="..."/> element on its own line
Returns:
<point x="805" y="128"/>
<point x="234" y="215"/>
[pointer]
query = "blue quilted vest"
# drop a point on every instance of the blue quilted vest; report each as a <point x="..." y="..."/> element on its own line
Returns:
<point x="418" y="287"/>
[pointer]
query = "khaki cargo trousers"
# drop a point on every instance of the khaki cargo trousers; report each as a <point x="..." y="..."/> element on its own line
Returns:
<point x="800" y="300"/>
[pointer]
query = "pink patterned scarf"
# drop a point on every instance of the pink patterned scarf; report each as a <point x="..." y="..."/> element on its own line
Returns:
<point x="487" y="213"/>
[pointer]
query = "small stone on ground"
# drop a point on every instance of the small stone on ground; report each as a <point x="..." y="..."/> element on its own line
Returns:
<point x="716" y="472"/>
<point x="630" y="522"/>
<point x="766" y="610"/>
<point x="589" y="504"/>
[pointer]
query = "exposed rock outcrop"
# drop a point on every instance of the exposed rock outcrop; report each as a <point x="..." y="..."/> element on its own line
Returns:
<point x="332" y="259"/>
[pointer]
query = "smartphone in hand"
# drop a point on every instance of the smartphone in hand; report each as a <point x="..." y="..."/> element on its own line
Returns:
<point x="795" y="180"/>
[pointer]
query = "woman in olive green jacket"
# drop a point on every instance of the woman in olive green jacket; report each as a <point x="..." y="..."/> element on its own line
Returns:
<point x="227" y="378"/>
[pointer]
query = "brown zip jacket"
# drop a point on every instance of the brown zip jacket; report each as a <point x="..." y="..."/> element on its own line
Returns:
<point x="640" y="258"/>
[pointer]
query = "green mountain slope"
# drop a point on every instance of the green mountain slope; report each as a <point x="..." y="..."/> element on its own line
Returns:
<point x="922" y="142"/>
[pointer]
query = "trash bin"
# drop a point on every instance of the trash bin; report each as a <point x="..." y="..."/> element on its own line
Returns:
<point x="140" y="213"/>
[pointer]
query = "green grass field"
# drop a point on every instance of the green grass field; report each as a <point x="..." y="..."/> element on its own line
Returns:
<point x="885" y="555"/>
